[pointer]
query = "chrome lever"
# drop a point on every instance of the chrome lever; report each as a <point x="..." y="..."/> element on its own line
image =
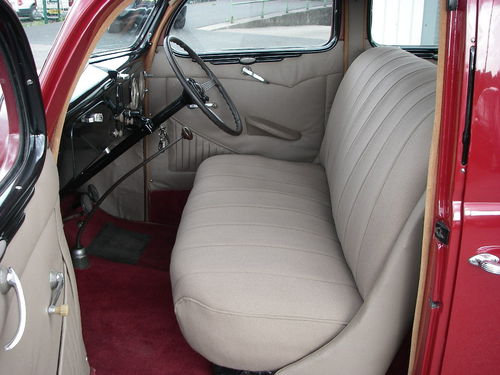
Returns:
<point x="209" y="105"/>
<point x="9" y="279"/>
<point x="56" y="282"/>
<point x="487" y="262"/>
<point x="249" y="72"/>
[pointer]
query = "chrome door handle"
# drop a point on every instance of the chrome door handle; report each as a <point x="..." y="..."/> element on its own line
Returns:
<point x="9" y="279"/>
<point x="487" y="262"/>
<point x="249" y="72"/>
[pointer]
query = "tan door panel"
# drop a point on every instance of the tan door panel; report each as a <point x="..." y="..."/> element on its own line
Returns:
<point x="37" y="249"/>
<point x="283" y="119"/>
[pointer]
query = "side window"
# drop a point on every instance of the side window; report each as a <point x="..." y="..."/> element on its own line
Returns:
<point x="9" y="122"/>
<point x="406" y="23"/>
<point x="127" y="27"/>
<point x="22" y="124"/>
<point x="217" y="26"/>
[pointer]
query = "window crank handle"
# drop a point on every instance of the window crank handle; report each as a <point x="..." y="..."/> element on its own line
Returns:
<point x="249" y="72"/>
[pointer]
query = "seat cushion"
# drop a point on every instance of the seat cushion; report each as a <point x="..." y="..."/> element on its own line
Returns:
<point x="258" y="275"/>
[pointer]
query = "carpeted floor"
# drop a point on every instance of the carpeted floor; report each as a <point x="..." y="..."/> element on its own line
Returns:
<point x="128" y="319"/>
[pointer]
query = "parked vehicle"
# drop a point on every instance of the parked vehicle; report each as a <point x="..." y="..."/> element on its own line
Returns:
<point x="31" y="10"/>
<point x="25" y="8"/>
<point x="253" y="187"/>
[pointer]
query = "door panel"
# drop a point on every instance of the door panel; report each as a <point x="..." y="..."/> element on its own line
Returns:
<point x="284" y="119"/>
<point x="32" y="245"/>
<point x="73" y="356"/>
<point x="35" y="251"/>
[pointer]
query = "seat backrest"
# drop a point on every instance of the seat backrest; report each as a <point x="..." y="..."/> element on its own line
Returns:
<point x="375" y="152"/>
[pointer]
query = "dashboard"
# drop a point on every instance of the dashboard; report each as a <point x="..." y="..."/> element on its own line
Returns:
<point x="104" y="110"/>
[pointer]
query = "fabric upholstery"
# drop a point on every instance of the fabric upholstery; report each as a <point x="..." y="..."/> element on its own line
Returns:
<point x="258" y="261"/>
<point x="375" y="153"/>
<point x="275" y="261"/>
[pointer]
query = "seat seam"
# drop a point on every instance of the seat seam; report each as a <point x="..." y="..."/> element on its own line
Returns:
<point x="306" y="198"/>
<point x="383" y="146"/>
<point x="382" y="121"/>
<point x="370" y="79"/>
<point x="379" y="153"/>
<point x="360" y="76"/>
<point x="377" y="81"/>
<point x="258" y="316"/>
<point x="191" y="210"/>
<point x="259" y="225"/>
<point x="330" y="282"/>
<point x="187" y="248"/>
<point x="296" y="164"/>
<point x="263" y="179"/>
<point x="382" y="189"/>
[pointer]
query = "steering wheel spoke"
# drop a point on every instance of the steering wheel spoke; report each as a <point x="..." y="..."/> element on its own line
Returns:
<point x="197" y="91"/>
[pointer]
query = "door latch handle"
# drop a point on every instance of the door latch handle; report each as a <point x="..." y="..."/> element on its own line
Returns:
<point x="56" y="281"/>
<point x="249" y="72"/>
<point x="9" y="279"/>
<point x="487" y="262"/>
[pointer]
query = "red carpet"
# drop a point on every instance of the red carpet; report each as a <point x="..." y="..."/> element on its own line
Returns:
<point x="128" y="319"/>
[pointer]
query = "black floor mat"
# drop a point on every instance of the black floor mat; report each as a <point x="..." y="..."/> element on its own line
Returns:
<point x="118" y="245"/>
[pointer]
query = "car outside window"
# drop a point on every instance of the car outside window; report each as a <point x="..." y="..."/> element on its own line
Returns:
<point x="41" y="21"/>
<point x="225" y="26"/>
<point x="127" y="27"/>
<point x="407" y="23"/>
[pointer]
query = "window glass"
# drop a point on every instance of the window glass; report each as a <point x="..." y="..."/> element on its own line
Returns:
<point x="41" y="21"/>
<point x="252" y="25"/>
<point x="126" y="27"/>
<point x="405" y="22"/>
<point x="9" y="122"/>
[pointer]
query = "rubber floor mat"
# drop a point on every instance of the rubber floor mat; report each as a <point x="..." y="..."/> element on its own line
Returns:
<point x="118" y="245"/>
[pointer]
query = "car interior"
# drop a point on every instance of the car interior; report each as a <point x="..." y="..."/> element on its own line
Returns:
<point x="245" y="194"/>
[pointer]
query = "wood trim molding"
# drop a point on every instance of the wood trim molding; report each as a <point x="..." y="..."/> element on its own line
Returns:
<point x="431" y="186"/>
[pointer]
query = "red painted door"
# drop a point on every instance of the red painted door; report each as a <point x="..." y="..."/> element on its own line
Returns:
<point x="473" y="338"/>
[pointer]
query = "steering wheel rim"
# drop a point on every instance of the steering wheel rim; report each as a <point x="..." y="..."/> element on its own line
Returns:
<point x="196" y="91"/>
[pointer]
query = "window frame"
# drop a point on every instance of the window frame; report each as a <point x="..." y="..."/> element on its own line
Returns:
<point x="265" y="55"/>
<point x="18" y="185"/>
<point x="142" y="41"/>
<point x="424" y="51"/>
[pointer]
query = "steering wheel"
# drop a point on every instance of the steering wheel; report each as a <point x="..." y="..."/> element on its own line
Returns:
<point x="198" y="92"/>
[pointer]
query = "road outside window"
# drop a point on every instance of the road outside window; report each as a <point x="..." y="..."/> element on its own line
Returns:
<point x="42" y="20"/>
<point x="127" y="27"/>
<point x="216" y="26"/>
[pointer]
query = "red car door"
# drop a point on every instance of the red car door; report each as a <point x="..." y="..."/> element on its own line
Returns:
<point x="458" y="329"/>
<point x="473" y="340"/>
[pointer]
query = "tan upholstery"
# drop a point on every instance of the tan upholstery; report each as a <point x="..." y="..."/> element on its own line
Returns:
<point x="274" y="259"/>
<point x="262" y="226"/>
